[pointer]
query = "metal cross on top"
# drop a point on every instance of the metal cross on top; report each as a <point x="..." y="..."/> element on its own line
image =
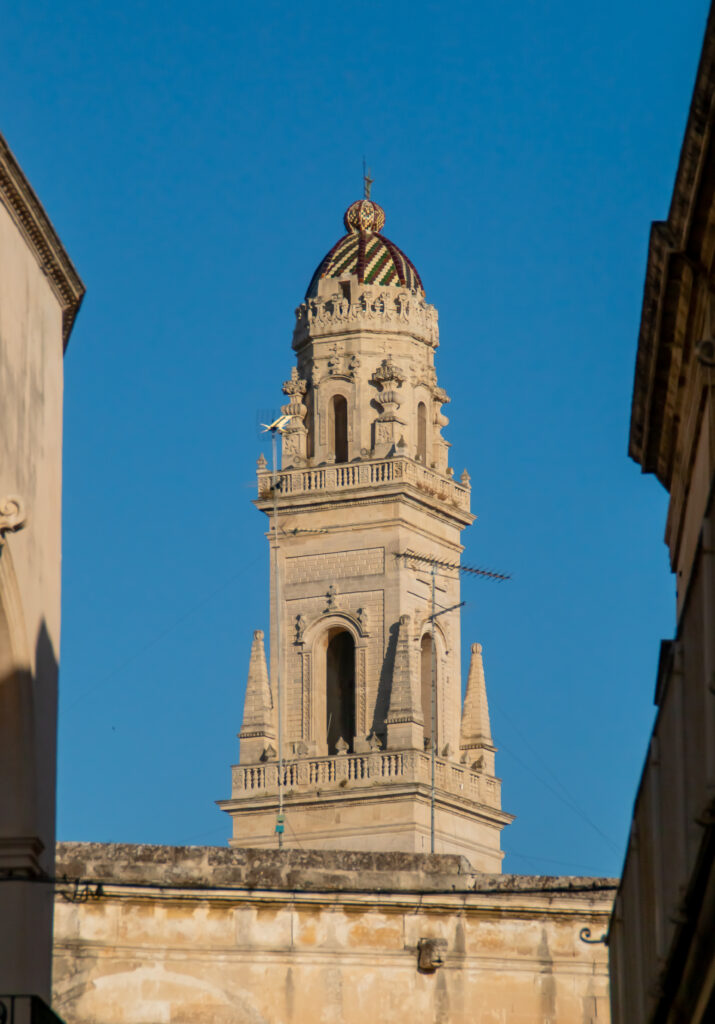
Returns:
<point x="368" y="181"/>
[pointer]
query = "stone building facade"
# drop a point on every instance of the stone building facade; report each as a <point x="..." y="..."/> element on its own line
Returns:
<point x="354" y="918"/>
<point x="195" y="935"/>
<point x="40" y="294"/>
<point x="363" y="508"/>
<point x="662" y="935"/>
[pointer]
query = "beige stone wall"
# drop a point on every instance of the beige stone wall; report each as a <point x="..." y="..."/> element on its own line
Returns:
<point x="285" y="937"/>
<point x="39" y="295"/>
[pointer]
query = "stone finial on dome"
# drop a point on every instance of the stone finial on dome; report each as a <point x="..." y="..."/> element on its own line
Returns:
<point x="364" y="215"/>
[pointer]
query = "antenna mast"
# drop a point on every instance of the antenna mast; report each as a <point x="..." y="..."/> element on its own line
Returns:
<point x="434" y="563"/>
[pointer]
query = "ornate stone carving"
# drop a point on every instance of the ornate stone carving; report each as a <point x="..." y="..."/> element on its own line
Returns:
<point x="12" y="514"/>
<point x="296" y="433"/>
<point x="299" y="628"/>
<point x="388" y="378"/>
<point x="330" y="598"/>
<point x="335" y="359"/>
<point x="388" y="373"/>
<point x="341" y="747"/>
<point x="387" y="309"/>
<point x="362" y="618"/>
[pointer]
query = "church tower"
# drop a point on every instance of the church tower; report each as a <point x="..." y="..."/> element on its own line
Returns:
<point x="365" y="484"/>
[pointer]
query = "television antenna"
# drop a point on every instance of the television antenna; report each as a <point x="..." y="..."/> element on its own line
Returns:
<point x="451" y="567"/>
<point x="275" y="428"/>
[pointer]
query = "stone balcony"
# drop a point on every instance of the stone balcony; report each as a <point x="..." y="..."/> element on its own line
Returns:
<point x="354" y="475"/>
<point x="354" y="771"/>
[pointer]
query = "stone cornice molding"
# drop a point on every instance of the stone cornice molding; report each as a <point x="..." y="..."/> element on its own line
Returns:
<point x="675" y="276"/>
<point x="375" y="309"/>
<point x="408" y="493"/>
<point x="27" y="211"/>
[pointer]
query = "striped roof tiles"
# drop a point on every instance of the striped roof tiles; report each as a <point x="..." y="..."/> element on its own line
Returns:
<point x="366" y="253"/>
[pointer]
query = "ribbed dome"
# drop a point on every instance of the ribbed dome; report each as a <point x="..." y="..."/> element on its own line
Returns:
<point x="366" y="253"/>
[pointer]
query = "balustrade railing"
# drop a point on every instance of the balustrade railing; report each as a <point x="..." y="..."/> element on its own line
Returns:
<point x="363" y="769"/>
<point x="366" y="474"/>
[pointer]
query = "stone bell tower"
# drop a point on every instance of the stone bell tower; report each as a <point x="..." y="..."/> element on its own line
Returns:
<point x="364" y="482"/>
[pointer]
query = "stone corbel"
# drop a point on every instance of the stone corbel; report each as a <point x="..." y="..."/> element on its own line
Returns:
<point x="12" y="515"/>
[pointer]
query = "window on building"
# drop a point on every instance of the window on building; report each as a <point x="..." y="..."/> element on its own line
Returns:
<point x="339" y="428"/>
<point x="422" y="433"/>
<point x="426" y="686"/>
<point x="340" y="689"/>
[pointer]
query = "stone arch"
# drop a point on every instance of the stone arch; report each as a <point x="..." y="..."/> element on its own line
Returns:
<point x="338" y="428"/>
<point x="315" y="696"/>
<point x="424" y="638"/>
<point x="422" y="432"/>
<point x="328" y="391"/>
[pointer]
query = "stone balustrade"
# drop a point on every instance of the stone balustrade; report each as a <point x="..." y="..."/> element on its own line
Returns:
<point x="352" y="475"/>
<point x="349" y="771"/>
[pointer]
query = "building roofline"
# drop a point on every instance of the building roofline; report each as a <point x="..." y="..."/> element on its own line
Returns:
<point x="28" y="213"/>
<point x="669" y="240"/>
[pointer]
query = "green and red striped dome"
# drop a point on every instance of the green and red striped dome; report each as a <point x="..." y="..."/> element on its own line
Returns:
<point x="366" y="253"/>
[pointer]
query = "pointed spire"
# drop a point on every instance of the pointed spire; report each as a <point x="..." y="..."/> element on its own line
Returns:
<point x="258" y="727"/>
<point x="404" y="719"/>
<point x="476" y="730"/>
<point x="476" y="734"/>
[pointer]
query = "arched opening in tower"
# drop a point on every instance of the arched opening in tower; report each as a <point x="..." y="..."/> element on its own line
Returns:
<point x="426" y="687"/>
<point x="339" y="428"/>
<point x="340" y="689"/>
<point x="422" y="433"/>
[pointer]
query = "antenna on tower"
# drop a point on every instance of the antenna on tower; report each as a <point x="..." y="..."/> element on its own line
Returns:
<point x="274" y="428"/>
<point x="435" y="564"/>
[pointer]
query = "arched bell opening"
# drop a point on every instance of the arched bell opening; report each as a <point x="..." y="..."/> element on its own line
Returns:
<point x="426" y="688"/>
<point x="340" y="689"/>
<point x="422" y="433"/>
<point x="338" y="427"/>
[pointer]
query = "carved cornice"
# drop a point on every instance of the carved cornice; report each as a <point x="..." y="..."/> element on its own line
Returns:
<point x="27" y="211"/>
<point x="377" y="309"/>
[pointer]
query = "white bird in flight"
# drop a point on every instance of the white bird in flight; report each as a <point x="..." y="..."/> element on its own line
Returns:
<point x="280" y="424"/>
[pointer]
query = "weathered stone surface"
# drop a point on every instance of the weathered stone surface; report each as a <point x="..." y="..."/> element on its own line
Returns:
<point x="365" y="483"/>
<point x="199" y="934"/>
<point x="40" y="293"/>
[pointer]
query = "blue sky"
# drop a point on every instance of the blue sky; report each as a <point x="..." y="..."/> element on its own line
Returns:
<point x="196" y="161"/>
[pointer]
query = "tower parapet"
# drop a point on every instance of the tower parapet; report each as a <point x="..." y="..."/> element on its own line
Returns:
<point x="364" y="478"/>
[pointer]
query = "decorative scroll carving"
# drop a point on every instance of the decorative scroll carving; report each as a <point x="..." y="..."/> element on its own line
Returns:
<point x="12" y="514"/>
<point x="393" y="310"/>
<point x="388" y="378"/>
<point x="296" y="433"/>
<point x="335" y="359"/>
<point x="388" y="373"/>
<point x="362" y="618"/>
